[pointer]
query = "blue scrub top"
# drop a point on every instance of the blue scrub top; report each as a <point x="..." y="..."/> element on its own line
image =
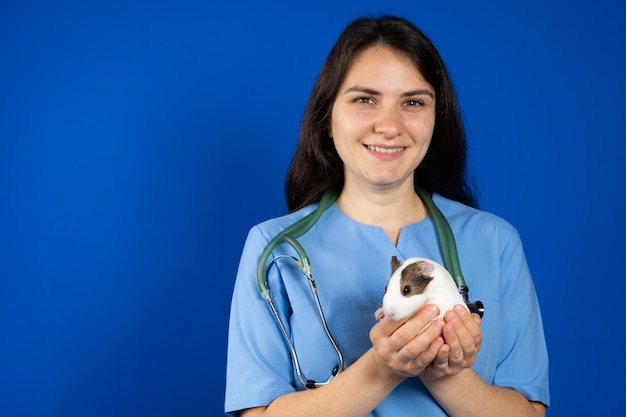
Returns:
<point x="351" y="264"/>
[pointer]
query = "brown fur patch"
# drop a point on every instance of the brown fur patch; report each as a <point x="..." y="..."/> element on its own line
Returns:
<point x="413" y="281"/>
<point x="395" y="264"/>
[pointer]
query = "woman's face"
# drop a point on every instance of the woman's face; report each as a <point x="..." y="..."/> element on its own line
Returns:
<point x="382" y="119"/>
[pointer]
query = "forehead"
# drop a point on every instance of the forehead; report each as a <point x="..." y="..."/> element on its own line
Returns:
<point x="378" y="50"/>
<point x="382" y="64"/>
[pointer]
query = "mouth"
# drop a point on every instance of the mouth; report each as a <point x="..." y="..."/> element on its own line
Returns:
<point x="384" y="150"/>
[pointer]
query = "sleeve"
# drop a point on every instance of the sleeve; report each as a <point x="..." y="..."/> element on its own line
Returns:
<point x="523" y="359"/>
<point x="258" y="367"/>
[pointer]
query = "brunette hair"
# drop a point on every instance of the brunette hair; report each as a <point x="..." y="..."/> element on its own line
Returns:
<point x="316" y="166"/>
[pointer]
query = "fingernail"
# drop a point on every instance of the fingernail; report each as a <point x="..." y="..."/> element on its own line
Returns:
<point x="432" y="310"/>
<point x="438" y="325"/>
<point x="460" y="310"/>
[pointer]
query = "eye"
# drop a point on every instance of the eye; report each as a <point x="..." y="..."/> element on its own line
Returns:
<point x="406" y="290"/>
<point x="364" y="100"/>
<point x="414" y="103"/>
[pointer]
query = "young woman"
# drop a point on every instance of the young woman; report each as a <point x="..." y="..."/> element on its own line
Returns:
<point x="382" y="120"/>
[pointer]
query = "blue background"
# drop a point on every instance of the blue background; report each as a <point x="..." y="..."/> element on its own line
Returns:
<point x="139" y="141"/>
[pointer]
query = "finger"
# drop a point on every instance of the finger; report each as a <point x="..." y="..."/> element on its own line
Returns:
<point x="471" y="324"/>
<point x="422" y="343"/>
<point x="389" y="338"/>
<point x="456" y="353"/>
<point x="441" y="362"/>
<point x="463" y="346"/>
<point x="386" y="326"/>
<point x="413" y="326"/>
<point x="379" y="336"/>
<point x="472" y="320"/>
<point x="426" y="358"/>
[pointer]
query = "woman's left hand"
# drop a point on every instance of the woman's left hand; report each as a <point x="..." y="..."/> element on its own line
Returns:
<point x="463" y="339"/>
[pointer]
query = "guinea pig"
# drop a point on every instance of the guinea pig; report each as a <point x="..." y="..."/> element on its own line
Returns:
<point x="414" y="283"/>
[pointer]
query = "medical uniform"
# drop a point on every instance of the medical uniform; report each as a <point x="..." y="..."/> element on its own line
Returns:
<point x="351" y="264"/>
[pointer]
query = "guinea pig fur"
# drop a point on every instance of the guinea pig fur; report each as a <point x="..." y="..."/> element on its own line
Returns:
<point x="414" y="283"/>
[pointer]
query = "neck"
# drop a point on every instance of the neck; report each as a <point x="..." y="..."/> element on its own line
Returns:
<point x="389" y="209"/>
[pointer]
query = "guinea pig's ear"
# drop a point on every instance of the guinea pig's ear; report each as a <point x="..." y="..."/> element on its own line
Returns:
<point x="425" y="268"/>
<point x="395" y="264"/>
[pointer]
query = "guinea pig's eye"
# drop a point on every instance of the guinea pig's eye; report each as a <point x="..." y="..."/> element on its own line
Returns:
<point x="406" y="290"/>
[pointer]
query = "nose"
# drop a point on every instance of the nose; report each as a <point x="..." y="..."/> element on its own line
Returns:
<point x="389" y="123"/>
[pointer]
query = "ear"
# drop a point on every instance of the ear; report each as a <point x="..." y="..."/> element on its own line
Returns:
<point x="425" y="268"/>
<point x="395" y="264"/>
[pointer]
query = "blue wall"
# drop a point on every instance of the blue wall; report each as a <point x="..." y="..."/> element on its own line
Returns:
<point x="139" y="141"/>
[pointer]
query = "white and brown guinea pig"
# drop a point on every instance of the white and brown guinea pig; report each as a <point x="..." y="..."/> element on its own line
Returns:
<point x="414" y="283"/>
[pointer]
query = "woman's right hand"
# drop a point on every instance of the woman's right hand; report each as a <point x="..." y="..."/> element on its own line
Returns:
<point x="404" y="347"/>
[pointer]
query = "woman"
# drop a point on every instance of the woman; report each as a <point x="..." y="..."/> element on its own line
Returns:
<point x="383" y="117"/>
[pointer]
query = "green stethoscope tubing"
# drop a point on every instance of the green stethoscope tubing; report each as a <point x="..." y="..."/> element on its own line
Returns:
<point x="447" y="246"/>
<point x="445" y="237"/>
<point x="289" y="235"/>
<point x="447" y="243"/>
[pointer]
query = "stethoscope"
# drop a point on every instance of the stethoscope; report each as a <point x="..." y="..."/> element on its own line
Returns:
<point x="447" y="246"/>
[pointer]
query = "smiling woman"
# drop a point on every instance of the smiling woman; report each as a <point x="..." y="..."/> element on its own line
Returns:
<point x="382" y="121"/>
<point x="381" y="124"/>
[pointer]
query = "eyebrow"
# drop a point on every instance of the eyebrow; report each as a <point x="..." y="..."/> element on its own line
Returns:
<point x="366" y="90"/>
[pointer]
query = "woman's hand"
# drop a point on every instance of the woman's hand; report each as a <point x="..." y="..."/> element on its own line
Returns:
<point x="463" y="339"/>
<point x="406" y="347"/>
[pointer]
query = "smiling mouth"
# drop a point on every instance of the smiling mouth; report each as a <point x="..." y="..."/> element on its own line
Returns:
<point x="384" y="150"/>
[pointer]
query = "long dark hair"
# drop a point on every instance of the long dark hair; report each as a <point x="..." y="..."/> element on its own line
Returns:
<point x="316" y="166"/>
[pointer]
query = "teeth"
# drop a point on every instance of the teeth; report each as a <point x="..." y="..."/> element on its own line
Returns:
<point x="384" y="150"/>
